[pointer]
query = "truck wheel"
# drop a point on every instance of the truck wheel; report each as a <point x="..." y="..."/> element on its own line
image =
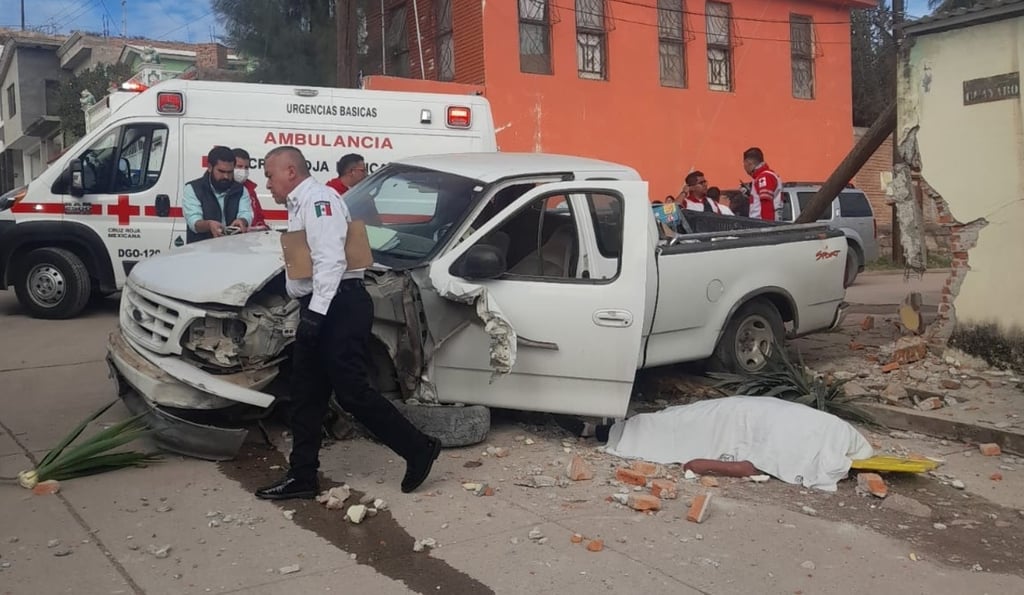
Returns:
<point x="748" y="344"/>
<point x="53" y="283"/>
<point x="852" y="268"/>
<point x="453" y="426"/>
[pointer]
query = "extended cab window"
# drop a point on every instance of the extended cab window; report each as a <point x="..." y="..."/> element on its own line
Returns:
<point x="125" y="160"/>
<point x="854" y="204"/>
<point x="543" y="239"/>
<point x="805" y="200"/>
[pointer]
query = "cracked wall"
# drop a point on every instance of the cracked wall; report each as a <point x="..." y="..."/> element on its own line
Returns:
<point x="970" y="159"/>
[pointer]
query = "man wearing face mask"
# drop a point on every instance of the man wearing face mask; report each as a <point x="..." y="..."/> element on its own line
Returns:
<point x="216" y="201"/>
<point x="242" y="161"/>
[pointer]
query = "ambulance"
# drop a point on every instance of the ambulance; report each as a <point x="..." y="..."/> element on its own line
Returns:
<point x="114" y="198"/>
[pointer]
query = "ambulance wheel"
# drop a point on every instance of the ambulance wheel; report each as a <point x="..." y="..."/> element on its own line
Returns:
<point x="53" y="283"/>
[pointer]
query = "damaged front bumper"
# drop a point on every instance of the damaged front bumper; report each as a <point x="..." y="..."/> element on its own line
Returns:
<point x="167" y="390"/>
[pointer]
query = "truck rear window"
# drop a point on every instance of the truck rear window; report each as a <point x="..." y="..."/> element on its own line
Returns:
<point x="854" y="204"/>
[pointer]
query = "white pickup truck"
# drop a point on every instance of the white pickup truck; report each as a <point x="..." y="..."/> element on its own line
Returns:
<point x="522" y="281"/>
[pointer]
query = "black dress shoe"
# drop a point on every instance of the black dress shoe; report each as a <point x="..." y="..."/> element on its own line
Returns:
<point x="418" y="467"/>
<point x="289" y="488"/>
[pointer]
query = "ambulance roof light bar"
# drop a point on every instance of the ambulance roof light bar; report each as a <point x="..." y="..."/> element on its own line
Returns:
<point x="133" y="87"/>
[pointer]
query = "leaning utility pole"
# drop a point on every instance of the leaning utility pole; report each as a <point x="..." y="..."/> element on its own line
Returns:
<point x="22" y="15"/>
<point x="347" y="22"/>
<point x="898" y="14"/>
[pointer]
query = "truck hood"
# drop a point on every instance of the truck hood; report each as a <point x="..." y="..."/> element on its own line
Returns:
<point x="225" y="270"/>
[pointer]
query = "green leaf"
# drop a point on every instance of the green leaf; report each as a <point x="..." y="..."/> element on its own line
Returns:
<point x="75" y="433"/>
<point x="103" y="442"/>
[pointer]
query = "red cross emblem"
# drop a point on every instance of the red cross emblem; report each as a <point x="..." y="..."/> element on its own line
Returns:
<point x="123" y="209"/>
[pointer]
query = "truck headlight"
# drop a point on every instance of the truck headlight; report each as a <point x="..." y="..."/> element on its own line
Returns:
<point x="12" y="198"/>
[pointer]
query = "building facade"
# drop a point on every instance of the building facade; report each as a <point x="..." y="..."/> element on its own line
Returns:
<point x="665" y="86"/>
<point x="961" y="127"/>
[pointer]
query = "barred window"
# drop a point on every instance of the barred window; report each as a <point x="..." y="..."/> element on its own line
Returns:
<point x="535" y="36"/>
<point x="445" y="45"/>
<point x="718" y="23"/>
<point x="591" y="40"/>
<point x="397" y="42"/>
<point x="801" y="43"/>
<point x="671" y="48"/>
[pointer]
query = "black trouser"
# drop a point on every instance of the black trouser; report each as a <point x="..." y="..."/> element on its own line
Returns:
<point x="340" y="361"/>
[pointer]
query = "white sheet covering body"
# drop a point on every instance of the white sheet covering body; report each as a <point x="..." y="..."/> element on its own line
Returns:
<point x="795" y="443"/>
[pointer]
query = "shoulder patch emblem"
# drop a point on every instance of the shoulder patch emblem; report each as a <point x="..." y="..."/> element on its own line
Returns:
<point x="322" y="208"/>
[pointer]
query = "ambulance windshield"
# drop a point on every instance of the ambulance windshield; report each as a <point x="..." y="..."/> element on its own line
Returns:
<point x="409" y="211"/>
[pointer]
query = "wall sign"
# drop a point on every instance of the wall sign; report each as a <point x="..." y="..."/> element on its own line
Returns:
<point x="992" y="88"/>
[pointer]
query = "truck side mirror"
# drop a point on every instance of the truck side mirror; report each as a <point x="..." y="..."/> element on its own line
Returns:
<point x="482" y="261"/>
<point x="76" y="186"/>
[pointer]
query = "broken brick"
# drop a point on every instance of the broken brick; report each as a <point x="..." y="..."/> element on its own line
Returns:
<point x="990" y="449"/>
<point x="630" y="477"/>
<point x="908" y="352"/>
<point x="997" y="476"/>
<point x="576" y="538"/>
<point x="890" y="367"/>
<point x="699" y="509"/>
<point x="488" y="491"/>
<point x="595" y="545"/>
<point x="868" y="323"/>
<point x="930" y="404"/>
<point x="708" y="481"/>
<point x="950" y="384"/>
<point x="873" y="484"/>
<point x="644" y="502"/>
<point x="43" y="488"/>
<point x="644" y="468"/>
<point x="664" y="488"/>
<point x="855" y="346"/>
<point x="579" y="470"/>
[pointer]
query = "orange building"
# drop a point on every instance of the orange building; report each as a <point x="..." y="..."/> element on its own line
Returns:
<point x="664" y="86"/>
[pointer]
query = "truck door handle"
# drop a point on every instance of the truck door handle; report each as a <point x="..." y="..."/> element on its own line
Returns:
<point x="163" y="205"/>
<point x="613" y="318"/>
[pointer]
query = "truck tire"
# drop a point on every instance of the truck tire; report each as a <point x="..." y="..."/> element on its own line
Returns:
<point x="52" y="283"/>
<point x="453" y="426"/>
<point x="852" y="267"/>
<point x="748" y="344"/>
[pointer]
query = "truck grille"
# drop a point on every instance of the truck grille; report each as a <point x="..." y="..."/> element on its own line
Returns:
<point x="148" y="321"/>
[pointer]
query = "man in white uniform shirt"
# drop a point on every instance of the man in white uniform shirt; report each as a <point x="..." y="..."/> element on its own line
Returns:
<point x="331" y="342"/>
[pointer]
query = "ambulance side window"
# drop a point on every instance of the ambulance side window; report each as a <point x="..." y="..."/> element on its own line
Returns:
<point x="141" y="158"/>
<point x="97" y="163"/>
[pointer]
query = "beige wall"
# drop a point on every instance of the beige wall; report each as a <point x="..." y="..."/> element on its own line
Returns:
<point x="973" y="156"/>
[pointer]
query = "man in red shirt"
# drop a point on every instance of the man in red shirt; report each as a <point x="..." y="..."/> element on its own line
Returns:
<point x="694" y="196"/>
<point x="242" y="162"/>
<point x="351" y="171"/>
<point x="766" y="189"/>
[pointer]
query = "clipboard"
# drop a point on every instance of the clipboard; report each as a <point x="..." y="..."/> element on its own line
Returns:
<point x="298" y="262"/>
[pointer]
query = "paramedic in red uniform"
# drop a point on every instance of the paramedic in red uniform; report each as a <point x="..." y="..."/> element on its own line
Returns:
<point x="766" y="188"/>
<point x="695" y="196"/>
<point x="242" y="161"/>
<point x="332" y="339"/>
<point x="351" y="171"/>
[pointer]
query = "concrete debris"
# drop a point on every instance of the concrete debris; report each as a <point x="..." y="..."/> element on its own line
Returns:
<point x="535" y="534"/>
<point x="288" y="514"/>
<point x="159" y="552"/>
<point x="61" y="552"/>
<point x="919" y="374"/>
<point x="472" y="486"/>
<point x="931" y="403"/>
<point x="808" y="565"/>
<point x="422" y="544"/>
<point x="708" y="481"/>
<point x="380" y="504"/>
<point x="500" y="452"/>
<point x="529" y="441"/>
<point x="289" y="569"/>
<point x="334" y="498"/>
<point x="689" y="475"/>
<point x="543" y="481"/>
<point x="977" y="568"/>
<point x="53" y="543"/>
<point x="939" y="526"/>
<point x="905" y="505"/>
<point x="579" y="470"/>
<point x="990" y="449"/>
<point x="356" y="513"/>
<point x="808" y="511"/>
<point x="622" y="499"/>
<point x="164" y="508"/>
<point x="950" y="384"/>
<point x="519" y="438"/>
<point x="958" y="484"/>
<point x="760" y="478"/>
<point x="855" y="390"/>
<point x="894" y="391"/>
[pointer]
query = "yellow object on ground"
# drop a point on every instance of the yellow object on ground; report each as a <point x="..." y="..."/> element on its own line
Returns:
<point x="895" y="464"/>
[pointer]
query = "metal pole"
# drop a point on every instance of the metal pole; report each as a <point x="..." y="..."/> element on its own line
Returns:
<point x="419" y="38"/>
<point x="22" y="15"/>
<point x="383" y="42"/>
<point x="124" y="18"/>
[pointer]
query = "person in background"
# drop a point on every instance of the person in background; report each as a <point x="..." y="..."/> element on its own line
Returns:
<point x="697" y="198"/>
<point x="331" y="351"/>
<point x="766" y="187"/>
<point x="351" y="171"/>
<point x="215" y="201"/>
<point x="739" y="201"/>
<point x="242" y="161"/>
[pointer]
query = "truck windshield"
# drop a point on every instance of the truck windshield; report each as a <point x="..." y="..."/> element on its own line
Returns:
<point x="409" y="211"/>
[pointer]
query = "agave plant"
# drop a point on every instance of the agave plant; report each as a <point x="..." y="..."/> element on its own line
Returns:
<point x="92" y="455"/>
<point x="794" y="382"/>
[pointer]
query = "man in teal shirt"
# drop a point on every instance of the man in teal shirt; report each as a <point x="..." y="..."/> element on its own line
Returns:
<point x="212" y="201"/>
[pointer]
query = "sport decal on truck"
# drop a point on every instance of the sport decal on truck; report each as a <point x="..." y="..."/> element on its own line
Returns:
<point x="825" y="255"/>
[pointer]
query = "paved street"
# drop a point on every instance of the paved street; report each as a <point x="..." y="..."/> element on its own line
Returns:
<point x="104" y="534"/>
